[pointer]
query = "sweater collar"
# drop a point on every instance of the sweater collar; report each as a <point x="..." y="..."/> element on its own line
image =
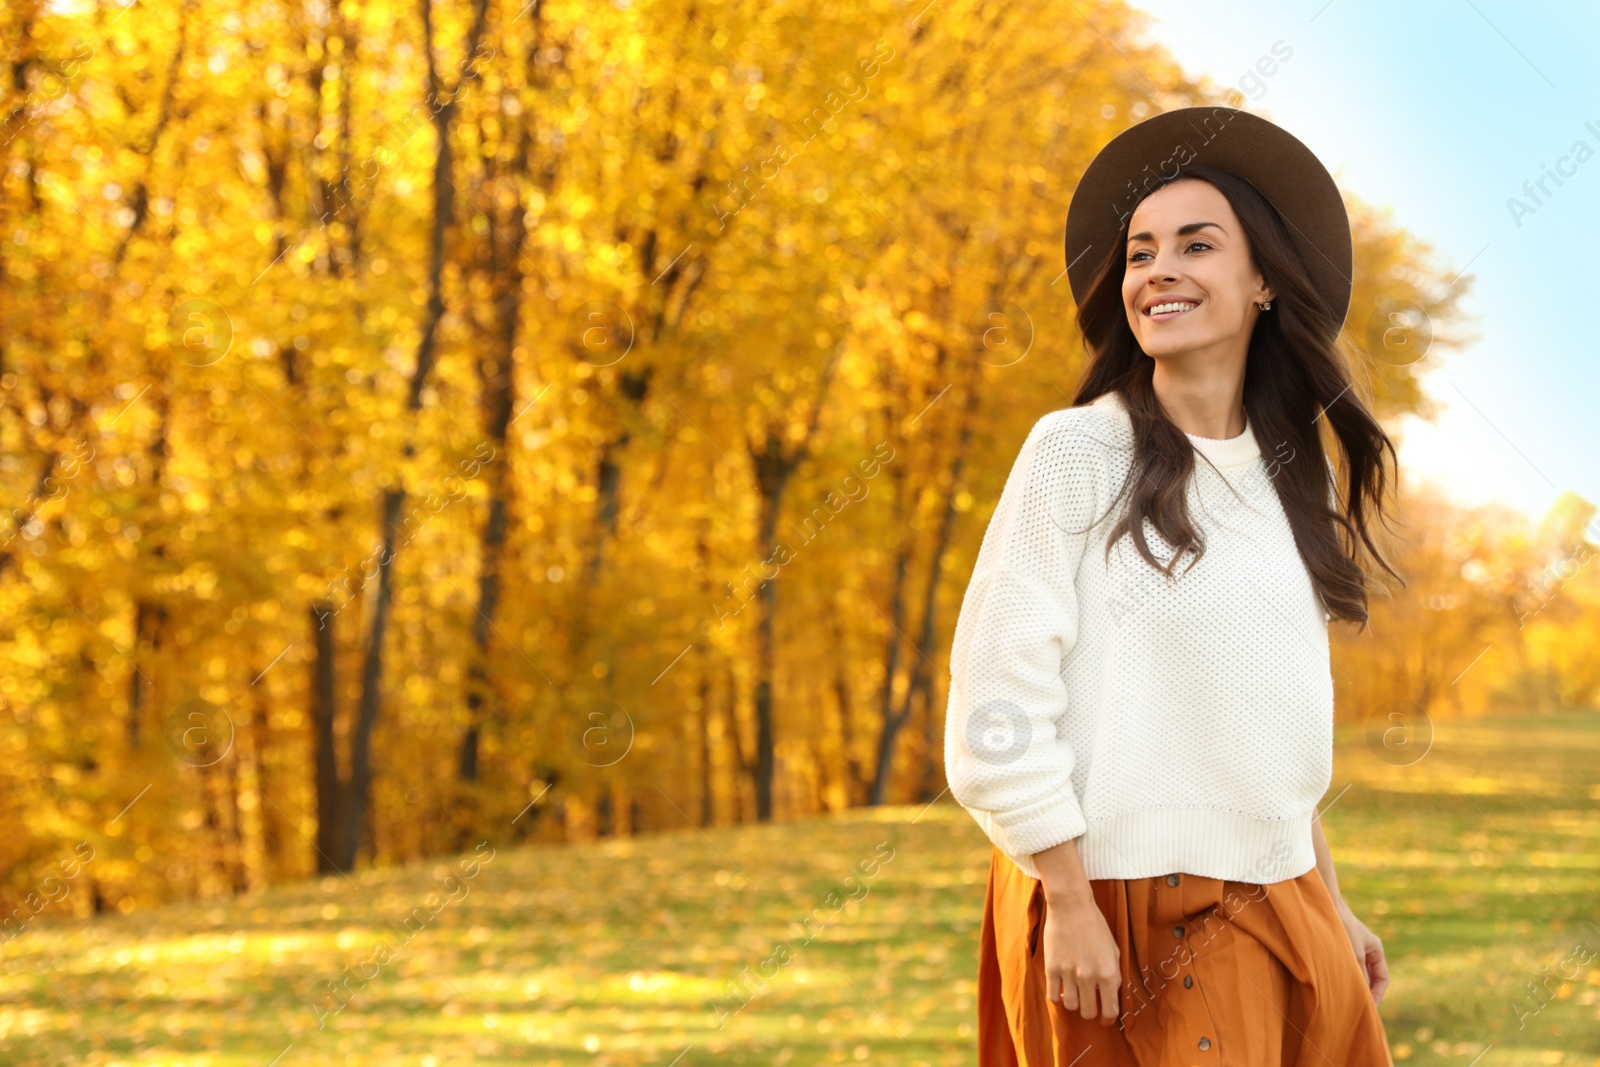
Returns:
<point x="1230" y="451"/>
<point x="1222" y="452"/>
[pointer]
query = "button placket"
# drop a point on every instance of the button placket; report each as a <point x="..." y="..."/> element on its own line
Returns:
<point x="1188" y="980"/>
<point x="1204" y="1042"/>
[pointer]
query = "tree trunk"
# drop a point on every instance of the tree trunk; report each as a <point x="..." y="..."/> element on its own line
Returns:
<point x="735" y="734"/>
<point x="393" y="498"/>
<point x="702" y="725"/>
<point x="146" y="641"/>
<point x="761" y="772"/>
<point x="330" y="824"/>
<point x="774" y="467"/>
<point x="849" y="761"/>
<point x="895" y="719"/>
<point x="921" y="678"/>
<point x="498" y="399"/>
<point x="890" y="719"/>
<point x="491" y="551"/>
<point x="238" y="845"/>
<point x="359" y="792"/>
<point x="149" y="617"/>
<point x="247" y="738"/>
<point x="773" y="470"/>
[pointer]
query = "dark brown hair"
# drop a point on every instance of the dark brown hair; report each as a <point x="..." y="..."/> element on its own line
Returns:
<point x="1296" y="378"/>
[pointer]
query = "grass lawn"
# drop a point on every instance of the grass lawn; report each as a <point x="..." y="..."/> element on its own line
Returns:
<point x="1479" y="866"/>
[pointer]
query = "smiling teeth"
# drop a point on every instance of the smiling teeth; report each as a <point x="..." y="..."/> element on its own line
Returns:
<point x="1162" y="309"/>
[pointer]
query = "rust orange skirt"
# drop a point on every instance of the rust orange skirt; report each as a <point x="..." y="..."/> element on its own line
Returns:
<point x="1213" y="972"/>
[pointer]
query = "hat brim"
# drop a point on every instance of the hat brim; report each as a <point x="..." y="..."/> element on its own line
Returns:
<point x="1162" y="147"/>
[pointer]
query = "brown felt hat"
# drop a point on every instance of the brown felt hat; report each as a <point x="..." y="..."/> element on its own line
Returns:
<point x="1267" y="156"/>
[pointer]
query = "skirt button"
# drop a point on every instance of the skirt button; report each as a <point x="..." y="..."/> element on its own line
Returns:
<point x="1177" y="931"/>
<point x="1172" y="879"/>
<point x="1205" y="1043"/>
<point x="1188" y="981"/>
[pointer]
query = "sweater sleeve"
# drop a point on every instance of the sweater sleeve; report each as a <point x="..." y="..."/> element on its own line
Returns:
<point x="1007" y="757"/>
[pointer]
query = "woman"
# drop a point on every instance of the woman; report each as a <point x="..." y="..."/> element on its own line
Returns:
<point x="1141" y="706"/>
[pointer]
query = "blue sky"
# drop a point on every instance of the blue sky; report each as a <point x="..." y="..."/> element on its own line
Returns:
<point x="1440" y="111"/>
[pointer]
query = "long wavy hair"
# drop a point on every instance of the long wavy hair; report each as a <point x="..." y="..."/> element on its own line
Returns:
<point x="1296" y="380"/>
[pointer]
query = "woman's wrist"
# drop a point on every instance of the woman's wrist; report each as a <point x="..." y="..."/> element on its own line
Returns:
<point x="1069" y="897"/>
<point x="1061" y="870"/>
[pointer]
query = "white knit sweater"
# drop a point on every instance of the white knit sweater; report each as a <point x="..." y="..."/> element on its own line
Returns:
<point x="1178" y="725"/>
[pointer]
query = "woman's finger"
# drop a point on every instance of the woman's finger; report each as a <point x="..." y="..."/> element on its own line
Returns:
<point x="1108" y="1001"/>
<point x="1378" y="968"/>
<point x="1087" y="1007"/>
<point x="1064" y="991"/>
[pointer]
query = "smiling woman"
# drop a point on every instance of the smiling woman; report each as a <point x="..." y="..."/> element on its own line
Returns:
<point x="1171" y="316"/>
<point x="1137" y="770"/>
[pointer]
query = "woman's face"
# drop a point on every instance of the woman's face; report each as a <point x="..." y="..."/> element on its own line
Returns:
<point x="1188" y="255"/>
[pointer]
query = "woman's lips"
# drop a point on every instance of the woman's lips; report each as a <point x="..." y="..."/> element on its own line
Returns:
<point x="1165" y="315"/>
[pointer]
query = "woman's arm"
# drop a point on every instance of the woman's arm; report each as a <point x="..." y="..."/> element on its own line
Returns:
<point x="1367" y="945"/>
<point x="1008" y="758"/>
<point x="1082" y="964"/>
<point x="1325" y="865"/>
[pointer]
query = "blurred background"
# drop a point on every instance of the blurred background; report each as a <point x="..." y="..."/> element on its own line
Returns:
<point x="489" y="487"/>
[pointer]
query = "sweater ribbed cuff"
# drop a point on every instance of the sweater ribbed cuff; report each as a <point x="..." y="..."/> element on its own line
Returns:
<point x="1045" y="824"/>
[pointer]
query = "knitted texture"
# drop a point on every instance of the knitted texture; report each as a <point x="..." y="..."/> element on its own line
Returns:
<point x="1180" y="725"/>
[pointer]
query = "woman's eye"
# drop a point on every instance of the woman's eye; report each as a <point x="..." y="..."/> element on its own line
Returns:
<point x="1134" y="258"/>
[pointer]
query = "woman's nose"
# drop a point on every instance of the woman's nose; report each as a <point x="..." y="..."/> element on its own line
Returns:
<point x="1162" y="269"/>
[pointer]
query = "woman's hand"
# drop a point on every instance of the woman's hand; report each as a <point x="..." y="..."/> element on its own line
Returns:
<point x="1369" y="950"/>
<point x="1082" y="965"/>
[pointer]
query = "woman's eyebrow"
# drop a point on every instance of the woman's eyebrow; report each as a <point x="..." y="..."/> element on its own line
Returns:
<point x="1185" y="229"/>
